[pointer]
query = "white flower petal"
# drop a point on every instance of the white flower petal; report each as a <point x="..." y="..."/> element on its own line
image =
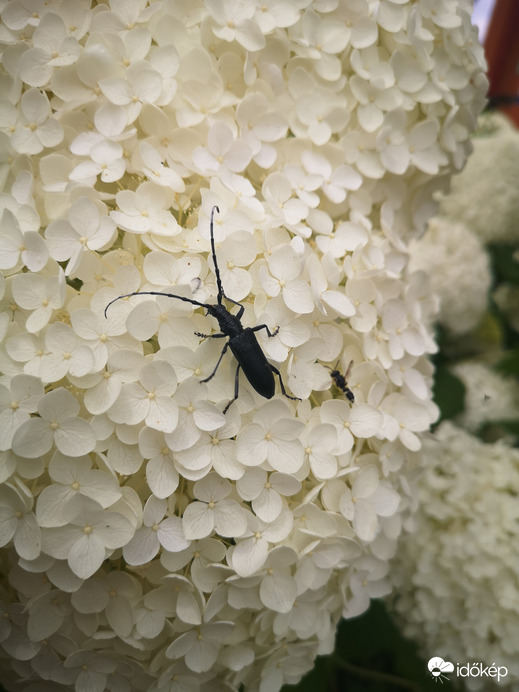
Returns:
<point x="171" y="535"/>
<point x="197" y="521"/>
<point x="278" y="592"/>
<point x="86" y="556"/>
<point x="365" y="420"/>
<point x="229" y="518"/>
<point x="249" y="556"/>
<point x="365" y="521"/>
<point x="142" y="548"/>
<point x="162" y="476"/>
<point x="33" y="438"/>
<point x="74" y="437"/>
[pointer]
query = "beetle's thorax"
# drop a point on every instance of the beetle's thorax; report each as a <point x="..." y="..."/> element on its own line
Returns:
<point x="229" y="323"/>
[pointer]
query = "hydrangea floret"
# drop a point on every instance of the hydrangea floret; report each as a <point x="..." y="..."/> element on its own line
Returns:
<point x="150" y="541"/>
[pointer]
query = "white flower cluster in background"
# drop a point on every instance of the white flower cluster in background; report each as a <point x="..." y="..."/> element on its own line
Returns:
<point x="456" y="576"/>
<point x="484" y="196"/>
<point x="150" y="541"/>
<point x="482" y="207"/>
<point x="446" y="246"/>
<point x="489" y="396"/>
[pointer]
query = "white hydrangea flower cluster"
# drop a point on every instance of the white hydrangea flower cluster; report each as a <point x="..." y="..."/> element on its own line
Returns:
<point x="484" y="195"/>
<point x="446" y="246"/>
<point x="147" y="536"/>
<point x="489" y="396"/>
<point x="456" y="576"/>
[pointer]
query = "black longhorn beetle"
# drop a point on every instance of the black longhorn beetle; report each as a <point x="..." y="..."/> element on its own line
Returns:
<point x="341" y="381"/>
<point x="242" y="340"/>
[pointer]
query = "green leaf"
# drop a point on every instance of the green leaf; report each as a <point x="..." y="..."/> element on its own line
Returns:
<point x="509" y="364"/>
<point x="505" y="267"/>
<point x="449" y="393"/>
<point x="511" y="426"/>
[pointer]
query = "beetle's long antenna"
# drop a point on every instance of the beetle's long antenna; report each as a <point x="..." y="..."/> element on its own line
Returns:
<point x="221" y="294"/>
<point x="157" y="293"/>
<point x="332" y="369"/>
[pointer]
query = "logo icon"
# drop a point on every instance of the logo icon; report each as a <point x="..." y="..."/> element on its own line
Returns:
<point x="438" y="667"/>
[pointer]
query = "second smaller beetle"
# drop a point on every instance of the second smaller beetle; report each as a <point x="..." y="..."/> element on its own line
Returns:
<point x="341" y="381"/>
<point x="242" y="340"/>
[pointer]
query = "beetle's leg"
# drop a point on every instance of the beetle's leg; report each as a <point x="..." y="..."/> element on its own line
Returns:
<point x="236" y="389"/>
<point x="264" y="326"/>
<point x="294" y="398"/>
<point x="218" y="363"/>
<point x="240" y="311"/>
<point x="218" y="335"/>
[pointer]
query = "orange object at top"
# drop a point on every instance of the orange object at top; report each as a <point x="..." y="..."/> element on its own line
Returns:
<point x="502" y="53"/>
